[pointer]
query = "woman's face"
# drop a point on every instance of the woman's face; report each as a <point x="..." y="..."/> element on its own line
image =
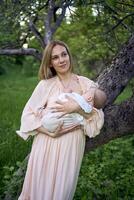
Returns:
<point x="60" y="60"/>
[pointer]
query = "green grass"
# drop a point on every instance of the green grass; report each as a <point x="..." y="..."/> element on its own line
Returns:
<point x="106" y="172"/>
<point x="126" y="94"/>
<point x="14" y="92"/>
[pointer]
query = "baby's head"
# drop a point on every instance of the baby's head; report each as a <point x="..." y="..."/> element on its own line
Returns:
<point x="87" y="96"/>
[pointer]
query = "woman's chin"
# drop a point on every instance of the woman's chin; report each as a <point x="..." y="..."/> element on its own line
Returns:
<point x="64" y="71"/>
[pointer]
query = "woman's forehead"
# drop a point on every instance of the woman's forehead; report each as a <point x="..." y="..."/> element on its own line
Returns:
<point x="58" y="49"/>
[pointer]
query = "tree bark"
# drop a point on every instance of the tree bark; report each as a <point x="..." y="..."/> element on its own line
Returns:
<point x="22" y="51"/>
<point x="114" y="79"/>
<point x="119" y="121"/>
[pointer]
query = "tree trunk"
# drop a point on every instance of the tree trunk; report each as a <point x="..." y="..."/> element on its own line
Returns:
<point x="115" y="78"/>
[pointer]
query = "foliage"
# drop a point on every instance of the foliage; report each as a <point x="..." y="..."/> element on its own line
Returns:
<point x="14" y="21"/>
<point x="13" y="184"/>
<point x="106" y="173"/>
<point x="96" y="42"/>
<point x="101" y="26"/>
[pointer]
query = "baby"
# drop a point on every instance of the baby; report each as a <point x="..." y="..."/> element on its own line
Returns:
<point x="51" y="121"/>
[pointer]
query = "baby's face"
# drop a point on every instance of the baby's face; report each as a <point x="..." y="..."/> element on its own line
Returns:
<point x="87" y="96"/>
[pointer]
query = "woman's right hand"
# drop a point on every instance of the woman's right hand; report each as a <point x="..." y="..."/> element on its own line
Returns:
<point x="60" y="131"/>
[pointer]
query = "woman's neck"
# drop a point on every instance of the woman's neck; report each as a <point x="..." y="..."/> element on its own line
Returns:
<point x="65" y="77"/>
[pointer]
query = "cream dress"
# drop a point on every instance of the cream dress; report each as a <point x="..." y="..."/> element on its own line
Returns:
<point x="54" y="163"/>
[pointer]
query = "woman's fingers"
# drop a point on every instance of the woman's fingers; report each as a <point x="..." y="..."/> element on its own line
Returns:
<point x="66" y="107"/>
<point x="59" y="102"/>
<point x="67" y="130"/>
<point x="57" y="109"/>
<point x="59" y="127"/>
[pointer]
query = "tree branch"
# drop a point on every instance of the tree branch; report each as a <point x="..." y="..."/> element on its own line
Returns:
<point x="21" y="51"/>
<point x="124" y="25"/>
<point x="52" y="8"/>
<point x="61" y="16"/>
<point x="114" y="128"/>
<point x="36" y="33"/>
<point x="125" y="4"/>
<point x="121" y="20"/>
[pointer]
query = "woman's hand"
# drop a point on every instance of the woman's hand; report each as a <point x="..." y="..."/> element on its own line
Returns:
<point x="59" y="131"/>
<point x="66" y="107"/>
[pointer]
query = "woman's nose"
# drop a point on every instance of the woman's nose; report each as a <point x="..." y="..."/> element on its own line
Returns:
<point x="61" y="59"/>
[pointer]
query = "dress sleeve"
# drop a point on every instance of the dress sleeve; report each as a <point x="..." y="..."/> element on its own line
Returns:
<point x="31" y="115"/>
<point x="94" y="123"/>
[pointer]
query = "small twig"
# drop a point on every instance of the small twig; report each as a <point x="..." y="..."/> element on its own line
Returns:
<point x="120" y="22"/>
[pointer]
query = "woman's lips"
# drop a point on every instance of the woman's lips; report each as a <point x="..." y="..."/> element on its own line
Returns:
<point x="63" y="66"/>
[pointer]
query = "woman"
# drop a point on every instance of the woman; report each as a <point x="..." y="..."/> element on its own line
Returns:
<point x="54" y="163"/>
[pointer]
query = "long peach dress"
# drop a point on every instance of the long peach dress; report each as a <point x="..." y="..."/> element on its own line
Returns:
<point x="54" y="163"/>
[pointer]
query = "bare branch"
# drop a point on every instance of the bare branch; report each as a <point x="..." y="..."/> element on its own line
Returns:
<point x="61" y="16"/>
<point x="124" y="25"/>
<point x="21" y="51"/>
<point x="111" y="9"/>
<point x="121" y="20"/>
<point x="125" y="4"/>
<point x="52" y="8"/>
<point x="36" y="33"/>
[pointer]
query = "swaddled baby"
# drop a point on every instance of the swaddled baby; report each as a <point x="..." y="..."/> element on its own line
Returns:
<point x="52" y="120"/>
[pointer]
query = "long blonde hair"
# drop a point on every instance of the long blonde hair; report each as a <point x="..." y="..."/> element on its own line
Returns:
<point x="45" y="71"/>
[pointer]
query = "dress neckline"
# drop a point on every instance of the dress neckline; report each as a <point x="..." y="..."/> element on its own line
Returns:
<point x="79" y="82"/>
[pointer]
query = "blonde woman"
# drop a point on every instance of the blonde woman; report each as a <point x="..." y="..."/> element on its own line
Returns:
<point x="54" y="163"/>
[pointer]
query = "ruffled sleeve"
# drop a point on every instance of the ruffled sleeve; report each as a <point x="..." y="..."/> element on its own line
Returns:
<point x="94" y="123"/>
<point x="31" y="115"/>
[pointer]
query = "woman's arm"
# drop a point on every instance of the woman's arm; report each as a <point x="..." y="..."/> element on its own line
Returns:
<point x="59" y="131"/>
<point x="99" y="99"/>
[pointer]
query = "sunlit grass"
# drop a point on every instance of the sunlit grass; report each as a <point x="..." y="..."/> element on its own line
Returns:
<point x="14" y="92"/>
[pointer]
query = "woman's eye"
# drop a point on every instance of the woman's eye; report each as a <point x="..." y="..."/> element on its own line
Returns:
<point x="64" y="54"/>
<point x="55" y="58"/>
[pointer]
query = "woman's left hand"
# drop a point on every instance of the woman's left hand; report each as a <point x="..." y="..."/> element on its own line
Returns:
<point x="66" y="107"/>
